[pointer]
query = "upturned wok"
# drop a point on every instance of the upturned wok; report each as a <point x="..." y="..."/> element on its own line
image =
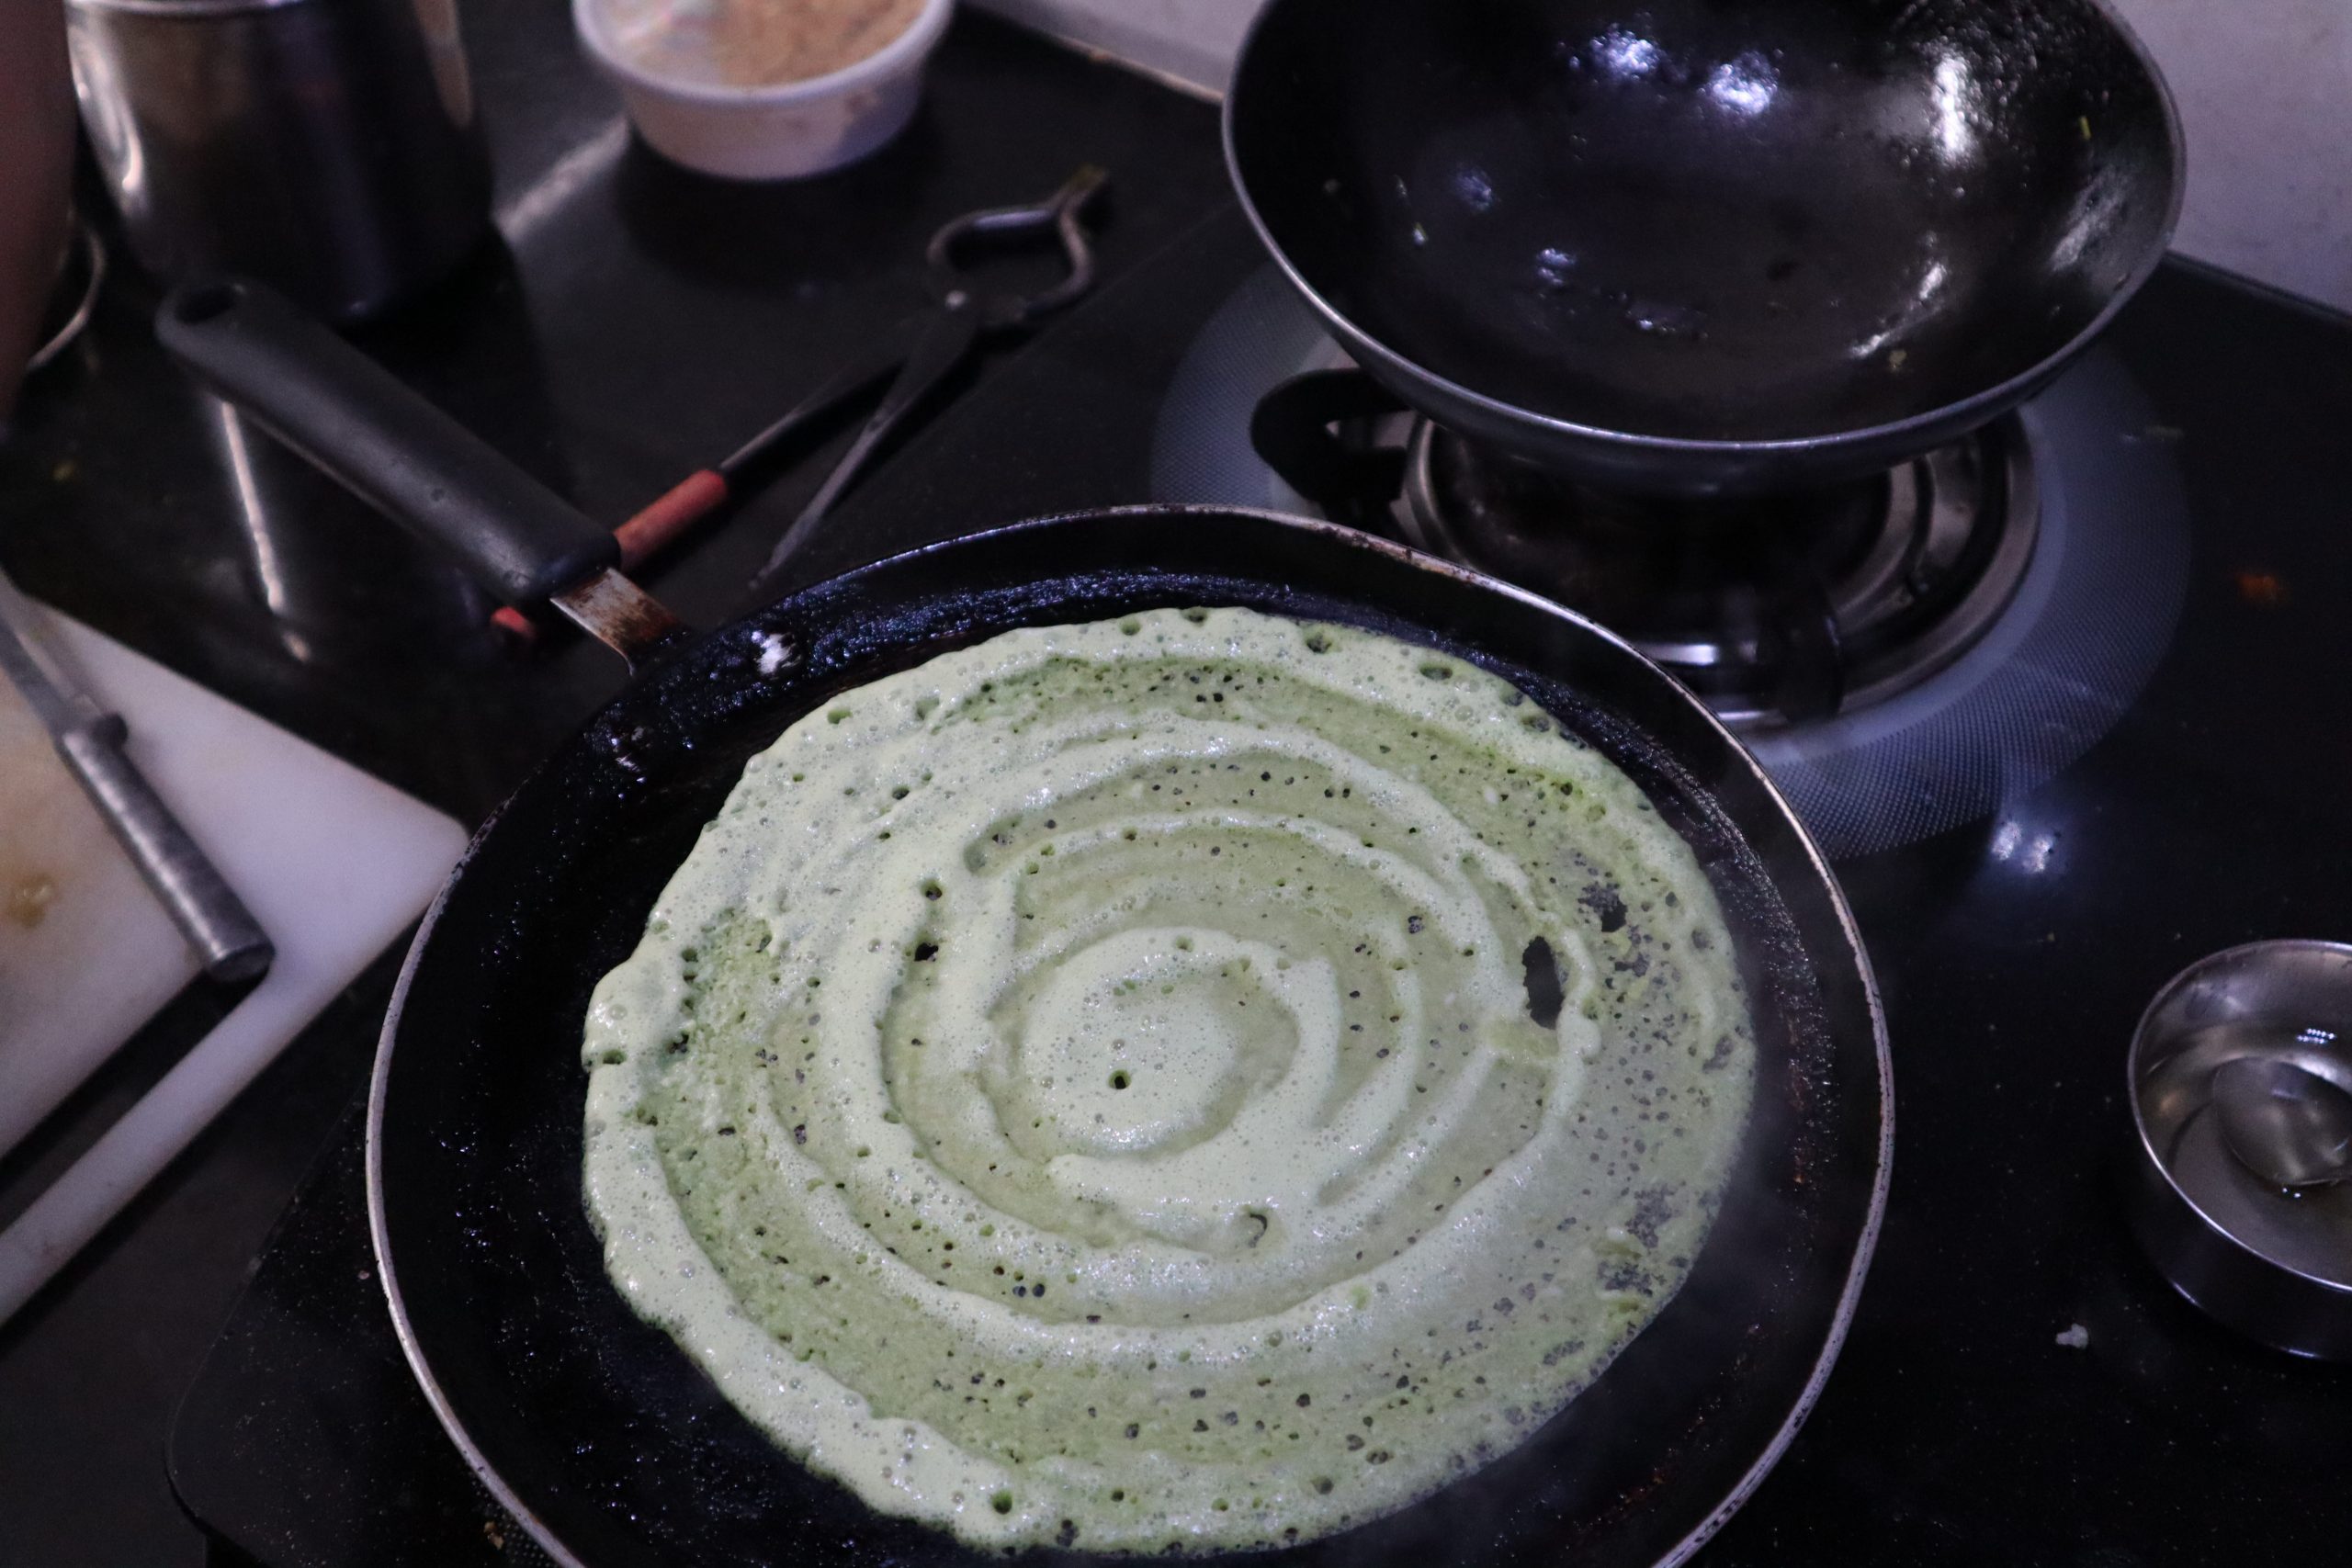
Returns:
<point x="1691" y="247"/>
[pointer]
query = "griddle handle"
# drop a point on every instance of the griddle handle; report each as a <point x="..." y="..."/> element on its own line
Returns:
<point x="357" y="423"/>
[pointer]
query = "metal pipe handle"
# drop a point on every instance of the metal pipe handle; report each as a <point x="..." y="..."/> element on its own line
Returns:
<point x="207" y="910"/>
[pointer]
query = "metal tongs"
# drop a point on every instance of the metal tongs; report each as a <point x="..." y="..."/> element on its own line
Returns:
<point x="929" y="347"/>
<point x="914" y="356"/>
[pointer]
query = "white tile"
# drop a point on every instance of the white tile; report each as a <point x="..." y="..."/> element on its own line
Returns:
<point x="2264" y="88"/>
<point x="1193" y="40"/>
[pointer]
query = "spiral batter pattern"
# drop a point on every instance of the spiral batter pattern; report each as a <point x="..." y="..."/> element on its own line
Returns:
<point x="1197" y="1080"/>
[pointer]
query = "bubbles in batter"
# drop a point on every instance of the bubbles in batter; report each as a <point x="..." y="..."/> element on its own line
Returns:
<point x="1195" y="1080"/>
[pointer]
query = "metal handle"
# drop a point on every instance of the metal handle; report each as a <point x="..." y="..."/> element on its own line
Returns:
<point x="946" y="340"/>
<point x="355" y="421"/>
<point x="1064" y="213"/>
<point x="1292" y="431"/>
<point x="207" y="911"/>
<point x="1800" y="643"/>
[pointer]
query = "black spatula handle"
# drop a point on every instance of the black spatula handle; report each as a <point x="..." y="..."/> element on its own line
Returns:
<point x="351" y="418"/>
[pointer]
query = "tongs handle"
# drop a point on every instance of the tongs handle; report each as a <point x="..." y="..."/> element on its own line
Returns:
<point x="945" y="343"/>
<point x="1063" y="214"/>
<point x="355" y="421"/>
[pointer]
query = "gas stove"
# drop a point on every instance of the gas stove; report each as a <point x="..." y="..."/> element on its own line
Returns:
<point x="1905" y="650"/>
<point x="2064" y="702"/>
<point x="2086" y="771"/>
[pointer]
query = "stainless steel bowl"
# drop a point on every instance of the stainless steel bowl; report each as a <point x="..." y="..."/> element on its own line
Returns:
<point x="2272" y="1262"/>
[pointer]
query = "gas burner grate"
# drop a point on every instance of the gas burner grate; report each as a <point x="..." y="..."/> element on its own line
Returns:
<point x="1784" y="609"/>
<point x="2020" y="645"/>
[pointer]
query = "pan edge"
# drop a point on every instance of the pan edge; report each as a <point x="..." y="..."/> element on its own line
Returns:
<point x="1866" y="1241"/>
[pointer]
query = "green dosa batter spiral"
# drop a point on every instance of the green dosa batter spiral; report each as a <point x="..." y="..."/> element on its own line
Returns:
<point x="1087" y="1089"/>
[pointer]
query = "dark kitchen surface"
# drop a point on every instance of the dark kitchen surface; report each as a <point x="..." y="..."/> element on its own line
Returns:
<point x="1958" y="1428"/>
<point x="645" y="320"/>
<point x="632" y="323"/>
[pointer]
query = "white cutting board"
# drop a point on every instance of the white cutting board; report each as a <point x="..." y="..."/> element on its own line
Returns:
<point x="334" y="863"/>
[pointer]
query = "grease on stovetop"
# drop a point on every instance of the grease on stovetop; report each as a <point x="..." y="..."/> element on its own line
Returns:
<point x="30" y="894"/>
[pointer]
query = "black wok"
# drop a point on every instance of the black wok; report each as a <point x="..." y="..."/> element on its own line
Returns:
<point x="1705" y="247"/>
<point x="593" y="1428"/>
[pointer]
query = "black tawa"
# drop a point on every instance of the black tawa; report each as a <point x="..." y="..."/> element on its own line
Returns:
<point x="593" y="1428"/>
<point x="1707" y="246"/>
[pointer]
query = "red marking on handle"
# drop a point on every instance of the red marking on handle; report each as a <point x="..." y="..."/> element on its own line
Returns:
<point x="688" y="501"/>
<point x="648" y="534"/>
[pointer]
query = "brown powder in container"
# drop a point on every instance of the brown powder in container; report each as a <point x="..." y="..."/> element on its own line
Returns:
<point x="759" y="43"/>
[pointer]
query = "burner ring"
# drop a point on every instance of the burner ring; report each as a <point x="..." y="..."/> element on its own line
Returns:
<point x="1902" y="573"/>
<point x="2058" y="667"/>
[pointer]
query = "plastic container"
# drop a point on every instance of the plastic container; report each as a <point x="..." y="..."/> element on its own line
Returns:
<point x="780" y="132"/>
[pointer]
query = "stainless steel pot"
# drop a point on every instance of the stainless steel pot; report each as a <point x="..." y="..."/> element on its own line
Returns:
<point x="329" y="146"/>
<point x="2273" y="1264"/>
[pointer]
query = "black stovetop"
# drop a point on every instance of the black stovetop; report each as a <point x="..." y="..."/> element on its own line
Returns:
<point x="2016" y="949"/>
